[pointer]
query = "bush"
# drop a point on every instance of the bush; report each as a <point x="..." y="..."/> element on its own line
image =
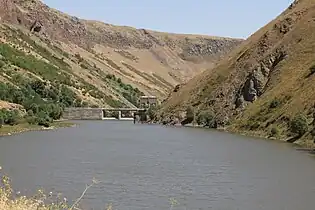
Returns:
<point x="32" y="120"/>
<point x="43" y="119"/>
<point x="151" y="112"/>
<point x="84" y="66"/>
<point x="2" y="64"/>
<point x="274" y="132"/>
<point x="11" y="117"/>
<point x="254" y="125"/>
<point x="206" y="118"/>
<point x="299" y="125"/>
<point x="190" y="115"/>
<point x="275" y="103"/>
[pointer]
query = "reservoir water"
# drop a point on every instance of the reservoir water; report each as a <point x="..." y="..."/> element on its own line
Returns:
<point x="144" y="166"/>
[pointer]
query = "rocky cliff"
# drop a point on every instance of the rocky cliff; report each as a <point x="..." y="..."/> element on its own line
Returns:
<point x="263" y="84"/>
<point x="153" y="62"/>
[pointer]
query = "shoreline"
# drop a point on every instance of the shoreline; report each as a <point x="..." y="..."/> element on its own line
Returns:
<point x="8" y="130"/>
<point x="300" y="145"/>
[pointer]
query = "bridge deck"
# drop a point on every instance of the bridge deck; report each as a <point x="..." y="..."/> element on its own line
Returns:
<point x="108" y="109"/>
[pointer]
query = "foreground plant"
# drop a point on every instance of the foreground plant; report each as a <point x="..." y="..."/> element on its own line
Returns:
<point x="13" y="201"/>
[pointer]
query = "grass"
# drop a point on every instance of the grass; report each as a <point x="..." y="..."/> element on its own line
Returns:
<point x="292" y="59"/>
<point x="9" y="200"/>
<point x="24" y="127"/>
<point x="149" y="77"/>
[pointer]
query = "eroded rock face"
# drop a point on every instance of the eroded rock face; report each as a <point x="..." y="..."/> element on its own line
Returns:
<point x="257" y="79"/>
<point x="36" y="26"/>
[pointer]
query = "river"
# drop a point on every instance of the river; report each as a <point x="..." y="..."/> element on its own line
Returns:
<point x="144" y="166"/>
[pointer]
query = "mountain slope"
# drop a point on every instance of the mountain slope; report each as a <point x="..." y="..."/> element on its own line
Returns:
<point x="263" y="84"/>
<point x="107" y="58"/>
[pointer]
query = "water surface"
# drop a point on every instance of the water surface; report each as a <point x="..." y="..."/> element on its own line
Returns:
<point x="143" y="166"/>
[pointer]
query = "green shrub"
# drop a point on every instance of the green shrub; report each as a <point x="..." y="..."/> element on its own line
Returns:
<point x="190" y="115"/>
<point x="255" y="126"/>
<point x="85" y="104"/>
<point x="95" y="106"/>
<point x="151" y="112"/>
<point x="12" y="118"/>
<point x="43" y="119"/>
<point x="32" y="120"/>
<point x="274" y="132"/>
<point x="1" y="121"/>
<point x="299" y="125"/>
<point x="206" y="118"/>
<point x="32" y="64"/>
<point x="275" y="103"/>
<point x="2" y="64"/>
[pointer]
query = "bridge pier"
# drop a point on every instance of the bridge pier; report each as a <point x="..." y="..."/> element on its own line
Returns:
<point x="119" y="115"/>
<point x="76" y="113"/>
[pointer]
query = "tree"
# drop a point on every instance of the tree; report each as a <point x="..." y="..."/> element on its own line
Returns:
<point x="18" y="97"/>
<point x="12" y="118"/>
<point x="30" y="118"/>
<point x="274" y="132"/>
<point x="39" y="87"/>
<point x="299" y="125"/>
<point x="43" y="119"/>
<point x="206" y="118"/>
<point x="190" y="116"/>
<point x="55" y="111"/>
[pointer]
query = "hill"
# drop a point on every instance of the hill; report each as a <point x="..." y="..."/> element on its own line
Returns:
<point x="105" y="65"/>
<point x="265" y="87"/>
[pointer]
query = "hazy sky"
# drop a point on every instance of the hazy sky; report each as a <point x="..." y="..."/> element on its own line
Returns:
<point x="232" y="18"/>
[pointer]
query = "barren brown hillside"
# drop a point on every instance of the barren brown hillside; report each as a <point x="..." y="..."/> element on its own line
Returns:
<point x="153" y="62"/>
<point x="264" y="83"/>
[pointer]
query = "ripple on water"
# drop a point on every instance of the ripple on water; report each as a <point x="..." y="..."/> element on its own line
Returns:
<point x="142" y="167"/>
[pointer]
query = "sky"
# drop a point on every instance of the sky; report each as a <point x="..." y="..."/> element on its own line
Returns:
<point x="228" y="18"/>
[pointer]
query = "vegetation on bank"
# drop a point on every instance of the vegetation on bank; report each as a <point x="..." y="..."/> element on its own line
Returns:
<point x="23" y="127"/>
<point x="11" y="200"/>
<point x="44" y="84"/>
<point x="292" y="129"/>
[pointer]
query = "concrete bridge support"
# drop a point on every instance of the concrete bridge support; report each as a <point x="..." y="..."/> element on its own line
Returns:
<point x="96" y="113"/>
<point x="119" y="115"/>
<point x="83" y="114"/>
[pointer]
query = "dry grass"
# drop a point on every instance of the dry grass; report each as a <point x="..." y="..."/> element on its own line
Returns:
<point x="10" y="200"/>
<point x="294" y="33"/>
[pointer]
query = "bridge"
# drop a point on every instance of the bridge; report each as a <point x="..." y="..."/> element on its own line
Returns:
<point x="98" y="113"/>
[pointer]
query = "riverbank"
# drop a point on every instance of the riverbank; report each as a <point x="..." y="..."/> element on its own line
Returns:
<point x="302" y="143"/>
<point x="8" y="130"/>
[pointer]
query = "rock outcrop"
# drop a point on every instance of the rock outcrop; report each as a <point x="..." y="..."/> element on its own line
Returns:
<point x="272" y="67"/>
